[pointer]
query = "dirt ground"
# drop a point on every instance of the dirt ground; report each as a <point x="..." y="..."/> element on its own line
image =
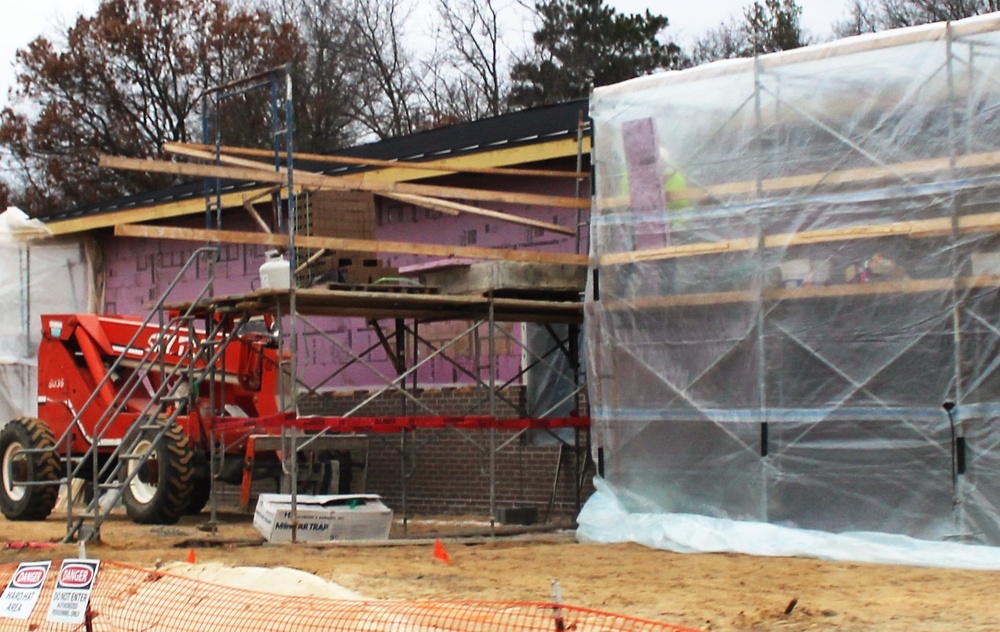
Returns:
<point x="708" y="592"/>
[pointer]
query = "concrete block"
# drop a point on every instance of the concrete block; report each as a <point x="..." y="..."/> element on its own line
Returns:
<point x="507" y="277"/>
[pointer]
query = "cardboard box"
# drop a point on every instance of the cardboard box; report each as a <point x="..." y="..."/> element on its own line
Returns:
<point x="323" y="518"/>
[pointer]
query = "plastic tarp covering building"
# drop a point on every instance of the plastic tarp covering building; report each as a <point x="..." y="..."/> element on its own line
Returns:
<point x="38" y="275"/>
<point x="798" y="272"/>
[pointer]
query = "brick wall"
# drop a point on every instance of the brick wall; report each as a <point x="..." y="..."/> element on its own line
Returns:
<point x="447" y="471"/>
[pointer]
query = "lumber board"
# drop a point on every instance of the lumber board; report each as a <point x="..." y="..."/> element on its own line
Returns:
<point x="445" y="206"/>
<point x="338" y="183"/>
<point x="336" y="243"/>
<point x="154" y="211"/>
<point x="250" y="152"/>
<point x="834" y="178"/>
<point x="380" y="305"/>
<point x="419" y="200"/>
<point x="681" y="250"/>
<point x="903" y="286"/>
<point x="916" y="229"/>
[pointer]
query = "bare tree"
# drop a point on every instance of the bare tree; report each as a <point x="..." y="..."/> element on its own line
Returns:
<point x="386" y="81"/>
<point x="767" y="26"/>
<point x="124" y="81"/>
<point x="869" y="16"/>
<point x="726" y="41"/>
<point x="476" y="55"/>
<point x="325" y="72"/>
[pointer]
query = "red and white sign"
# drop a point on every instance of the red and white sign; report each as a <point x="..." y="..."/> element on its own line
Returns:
<point x="79" y="575"/>
<point x="72" y="594"/>
<point x="22" y="591"/>
<point x="31" y="577"/>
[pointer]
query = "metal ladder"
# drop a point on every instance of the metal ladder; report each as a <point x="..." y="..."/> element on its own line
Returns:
<point x="178" y="384"/>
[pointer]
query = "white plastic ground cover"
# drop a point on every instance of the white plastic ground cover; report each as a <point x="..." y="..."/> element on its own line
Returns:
<point x="38" y="275"/>
<point x="603" y="520"/>
<point x="798" y="265"/>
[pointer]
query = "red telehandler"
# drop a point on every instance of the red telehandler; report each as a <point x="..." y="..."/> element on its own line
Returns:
<point x="133" y="407"/>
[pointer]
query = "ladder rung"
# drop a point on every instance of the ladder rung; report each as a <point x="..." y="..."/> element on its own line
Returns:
<point x="37" y="450"/>
<point x="37" y="483"/>
<point x="150" y="426"/>
<point x="115" y="485"/>
<point x="130" y="457"/>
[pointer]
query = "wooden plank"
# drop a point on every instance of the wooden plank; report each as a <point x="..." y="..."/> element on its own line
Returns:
<point x="161" y="210"/>
<point x="843" y="177"/>
<point x="853" y="176"/>
<point x="904" y="286"/>
<point x="682" y="250"/>
<point x="681" y="300"/>
<point x="934" y="227"/>
<point x="518" y="155"/>
<point x="372" y="162"/>
<point x="335" y="243"/>
<point x="255" y="216"/>
<point x="419" y="200"/>
<point x="338" y="184"/>
<point x="444" y="206"/>
<point x="440" y="205"/>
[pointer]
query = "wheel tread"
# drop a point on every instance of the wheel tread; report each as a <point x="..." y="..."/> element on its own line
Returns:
<point x="38" y="501"/>
<point x="175" y="485"/>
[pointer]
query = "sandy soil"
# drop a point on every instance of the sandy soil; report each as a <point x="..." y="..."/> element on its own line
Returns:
<point x="709" y="592"/>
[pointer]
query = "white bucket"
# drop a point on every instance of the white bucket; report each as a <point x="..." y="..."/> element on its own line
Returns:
<point x="274" y="272"/>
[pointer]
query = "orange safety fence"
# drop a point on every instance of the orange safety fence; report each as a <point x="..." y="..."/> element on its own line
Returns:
<point x="129" y="598"/>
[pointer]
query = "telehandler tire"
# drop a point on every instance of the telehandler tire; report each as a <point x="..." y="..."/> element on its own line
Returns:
<point x="201" y="493"/>
<point x="160" y="491"/>
<point x="34" y="502"/>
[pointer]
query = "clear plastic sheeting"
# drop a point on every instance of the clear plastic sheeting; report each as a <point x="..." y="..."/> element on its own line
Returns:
<point x="796" y="318"/>
<point x="38" y="275"/>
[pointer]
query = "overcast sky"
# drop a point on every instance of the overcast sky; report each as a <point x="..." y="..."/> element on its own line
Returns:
<point x="24" y="20"/>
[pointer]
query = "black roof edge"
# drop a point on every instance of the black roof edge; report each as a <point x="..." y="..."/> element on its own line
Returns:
<point x="525" y="127"/>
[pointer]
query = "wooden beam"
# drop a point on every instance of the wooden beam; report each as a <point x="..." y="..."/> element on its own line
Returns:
<point x="264" y="193"/>
<point x="338" y="184"/>
<point x="336" y="243"/>
<point x="311" y="260"/>
<point x="255" y="216"/>
<point x="162" y="210"/>
<point x="503" y="156"/>
<point x="433" y="203"/>
<point x="683" y="250"/>
<point x="445" y="206"/>
<point x="451" y="208"/>
<point x="894" y="171"/>
<point x="915" y="229"/>
<point x="372" y="162"/>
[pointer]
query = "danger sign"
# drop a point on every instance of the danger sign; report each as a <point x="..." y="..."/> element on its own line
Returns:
<point x="22" y="591"/>
<point x="72" y="593"/>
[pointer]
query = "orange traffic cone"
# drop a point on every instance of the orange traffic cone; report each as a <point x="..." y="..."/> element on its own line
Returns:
<point x="191" y="557"/>
<point x="440" y="553"/>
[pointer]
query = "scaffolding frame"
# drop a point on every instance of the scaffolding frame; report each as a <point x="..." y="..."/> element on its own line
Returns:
<point x="758" y="200"/>
<point x="293" y="318"/>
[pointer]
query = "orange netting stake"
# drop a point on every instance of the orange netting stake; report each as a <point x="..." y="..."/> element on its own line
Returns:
<point x="440" y="553"/>
<point x="191" y="556"/>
